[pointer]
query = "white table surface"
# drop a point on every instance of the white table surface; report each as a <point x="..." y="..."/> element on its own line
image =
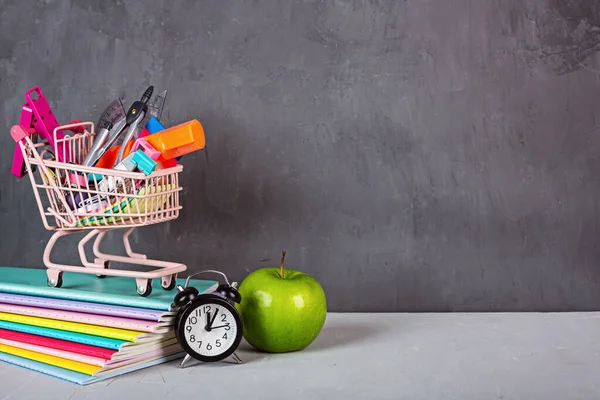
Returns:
<point x="376" y="356"/>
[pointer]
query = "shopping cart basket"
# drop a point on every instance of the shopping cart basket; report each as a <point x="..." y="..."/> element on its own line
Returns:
<point x="72" y="198"/>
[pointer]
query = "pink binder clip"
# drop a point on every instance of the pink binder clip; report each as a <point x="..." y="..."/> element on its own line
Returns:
<point x="36" y="114"/>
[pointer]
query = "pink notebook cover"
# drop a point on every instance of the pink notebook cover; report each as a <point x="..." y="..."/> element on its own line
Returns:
<point x="65" y="345"/>
<point x="92" y="319"/>
<point x="100" y="362"/>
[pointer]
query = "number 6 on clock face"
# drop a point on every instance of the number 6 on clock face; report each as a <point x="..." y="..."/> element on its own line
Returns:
<point x="209" y="329"/>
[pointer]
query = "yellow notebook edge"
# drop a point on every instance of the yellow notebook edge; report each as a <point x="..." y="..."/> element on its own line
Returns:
<point x="76" y="366"/>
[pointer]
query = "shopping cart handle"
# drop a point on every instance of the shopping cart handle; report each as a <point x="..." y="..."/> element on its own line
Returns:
<point x="18" y="132"/>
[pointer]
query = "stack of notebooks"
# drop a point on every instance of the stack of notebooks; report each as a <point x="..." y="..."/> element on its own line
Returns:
<point x="88" y="330"/>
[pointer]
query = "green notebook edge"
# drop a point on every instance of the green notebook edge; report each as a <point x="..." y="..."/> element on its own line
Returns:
<point x="114" y="290"/>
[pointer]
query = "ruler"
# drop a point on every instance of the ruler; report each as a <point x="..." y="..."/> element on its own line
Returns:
<point x="113" y="113"/>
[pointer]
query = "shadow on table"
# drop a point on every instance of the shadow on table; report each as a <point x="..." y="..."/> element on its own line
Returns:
<point x="336" y="335"/>
<point x="343" y="334"/>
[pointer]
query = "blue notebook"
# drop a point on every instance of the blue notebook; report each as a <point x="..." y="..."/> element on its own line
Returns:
<point x="115" y="290"/>
<point x="76" y="377"/>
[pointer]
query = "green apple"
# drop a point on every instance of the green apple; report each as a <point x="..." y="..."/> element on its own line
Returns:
<point x="282" y="310"/>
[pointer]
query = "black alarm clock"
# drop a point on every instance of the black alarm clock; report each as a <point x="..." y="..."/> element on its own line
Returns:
<point x="207" y="325"/>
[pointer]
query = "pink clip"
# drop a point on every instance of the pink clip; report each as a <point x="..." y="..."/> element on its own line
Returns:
<point x="148" y="148"/>
<point x="36" y="114"/>
<point x="44" y="121"/>
<point x="18" y="165"/>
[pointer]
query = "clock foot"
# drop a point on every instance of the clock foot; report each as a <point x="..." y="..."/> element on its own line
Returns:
<point x="185" y="360"/>
<point x="236" y="358"/>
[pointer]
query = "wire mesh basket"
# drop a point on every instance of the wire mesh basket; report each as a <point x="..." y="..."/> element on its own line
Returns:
<point x="73" y="198"/>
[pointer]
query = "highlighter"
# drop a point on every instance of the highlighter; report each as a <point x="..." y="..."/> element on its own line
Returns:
<point x="178" y="140"/>
<point x="152" y="127"/>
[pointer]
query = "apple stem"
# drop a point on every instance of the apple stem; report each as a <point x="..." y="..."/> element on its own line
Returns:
<point x="281" y="273"/>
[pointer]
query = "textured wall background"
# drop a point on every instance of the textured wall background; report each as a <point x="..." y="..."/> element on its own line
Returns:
<point x="411" y="155"/>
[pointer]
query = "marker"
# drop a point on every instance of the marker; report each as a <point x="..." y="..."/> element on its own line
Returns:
<point x="178" y="140"/>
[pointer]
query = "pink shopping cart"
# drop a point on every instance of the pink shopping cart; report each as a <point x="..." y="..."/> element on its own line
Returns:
<point x="73" y="198"/>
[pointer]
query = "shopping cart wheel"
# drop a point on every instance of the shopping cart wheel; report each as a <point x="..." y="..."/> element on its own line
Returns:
<point x="55" y="278"/>
<point x="169" y="282"/>
<point x="144" y="290"/>
<point x="106" y="266"/>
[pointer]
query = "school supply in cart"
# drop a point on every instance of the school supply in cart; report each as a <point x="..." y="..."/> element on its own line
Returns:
<point x="110" y="180"/>
<point x="37" y="117"/>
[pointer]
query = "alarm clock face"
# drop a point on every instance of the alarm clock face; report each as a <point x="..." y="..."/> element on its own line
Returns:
<point x="209" y="329"/>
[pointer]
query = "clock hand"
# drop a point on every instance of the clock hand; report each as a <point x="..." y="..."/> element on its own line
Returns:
<point x="213" y="318"/>
<point x="207" y="327"/>
<point x="220" y="326"/>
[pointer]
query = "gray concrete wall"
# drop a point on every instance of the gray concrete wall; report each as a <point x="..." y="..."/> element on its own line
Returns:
<point x="411" y="155"/>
